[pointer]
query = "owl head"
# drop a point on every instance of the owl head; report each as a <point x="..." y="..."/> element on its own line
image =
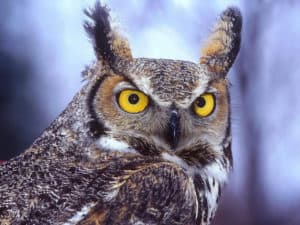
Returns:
<point x="159" y="107"/>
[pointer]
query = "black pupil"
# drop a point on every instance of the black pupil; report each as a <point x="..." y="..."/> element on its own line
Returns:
<point x="133" y="98"/>
<point x="200" y="102"/>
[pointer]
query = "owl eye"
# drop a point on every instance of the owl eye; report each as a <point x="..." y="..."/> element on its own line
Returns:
<point x="133" y="101"/>
<point x="204" y="105"/>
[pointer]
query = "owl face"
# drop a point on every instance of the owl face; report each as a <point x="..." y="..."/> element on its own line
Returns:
<point x="172" y="105"/>
<point x="157" y="106"/>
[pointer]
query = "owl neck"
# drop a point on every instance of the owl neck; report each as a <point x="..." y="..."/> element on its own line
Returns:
<point x="216" y="168"/>
<point x="200" y="160"/>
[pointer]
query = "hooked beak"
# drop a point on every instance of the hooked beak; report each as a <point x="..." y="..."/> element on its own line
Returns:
<point x="172" y="135"/>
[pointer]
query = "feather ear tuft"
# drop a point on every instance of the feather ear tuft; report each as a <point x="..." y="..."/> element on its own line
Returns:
<point x="109" y="45"/>
<point x="223" y="45"/>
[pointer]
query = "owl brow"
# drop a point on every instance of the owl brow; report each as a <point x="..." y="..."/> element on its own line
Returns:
<point x="123" y="85"/>
<point x="131" y="82"/>
<point x="209" y="88"/>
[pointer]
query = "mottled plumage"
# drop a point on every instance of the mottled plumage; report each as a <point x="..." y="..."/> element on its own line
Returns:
<point x="163" y="162"/>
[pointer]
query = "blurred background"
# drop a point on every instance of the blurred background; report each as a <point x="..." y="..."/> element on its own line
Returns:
<point x="43" y="49"/>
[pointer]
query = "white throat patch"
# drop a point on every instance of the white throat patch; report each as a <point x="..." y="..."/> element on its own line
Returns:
<point x="107" y="143"/>
<point x="214" y="170"/>
<point x="79" y="215"/>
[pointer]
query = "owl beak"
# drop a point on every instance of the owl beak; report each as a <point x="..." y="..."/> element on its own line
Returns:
<point x="173" y="129"/>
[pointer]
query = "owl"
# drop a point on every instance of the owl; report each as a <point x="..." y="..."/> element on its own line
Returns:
<point x="145" y="141"/>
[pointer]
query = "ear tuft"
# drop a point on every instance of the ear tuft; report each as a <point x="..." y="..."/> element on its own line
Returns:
<point x="99" y="31"/>
<point x="108" y="43"/>
<point x="223" y="45"/>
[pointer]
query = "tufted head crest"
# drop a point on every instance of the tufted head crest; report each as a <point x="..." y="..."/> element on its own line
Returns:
<point x="222" y="47"/>
<point x="109" y="45"/>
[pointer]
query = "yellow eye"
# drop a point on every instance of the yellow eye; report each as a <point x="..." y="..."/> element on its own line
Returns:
<point x="133" y="101"/>
<point x="204" y="105"/>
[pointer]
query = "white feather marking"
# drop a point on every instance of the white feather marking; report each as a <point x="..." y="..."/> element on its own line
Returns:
<point x="203" y="80"/>
<point x="111" y="144"/>
<point x="139" y="223"/>
<point x="79" y="215"/>
<point x="192" y="195"/>
<point x="110" y="195"/>
<point x="212" y="196"/>
<point x="175" y="159"/>
<point x="215" y="169"/>
<point x="218" y="148"/>
<point x="144" y="84"/>
<point x="227" y="141"/>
